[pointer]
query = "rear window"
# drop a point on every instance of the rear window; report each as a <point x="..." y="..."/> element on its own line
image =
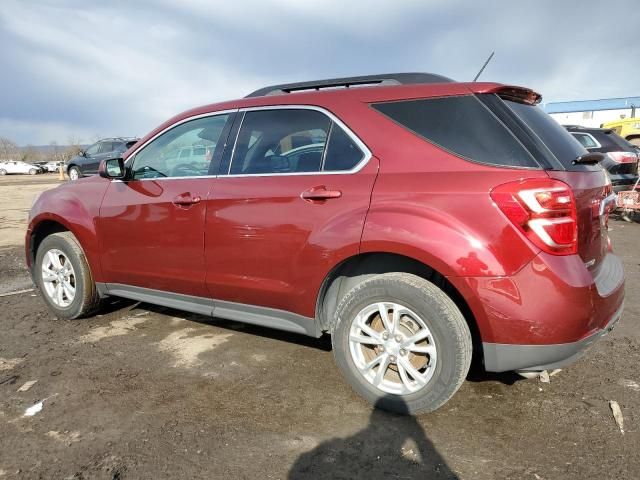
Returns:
<point x="556" y="138"/>
<point x="611" y="141"/>
<point x="461" y="125"/>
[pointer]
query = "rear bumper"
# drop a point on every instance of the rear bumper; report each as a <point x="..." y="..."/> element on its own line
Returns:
<point x="547" y="314"/>
<point x="504" y="357"/>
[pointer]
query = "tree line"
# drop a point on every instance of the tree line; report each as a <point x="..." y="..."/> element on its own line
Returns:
<point x="9" y="150"/>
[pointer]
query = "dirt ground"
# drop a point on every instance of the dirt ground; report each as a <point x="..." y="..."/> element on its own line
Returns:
<point x="148" y="392"/>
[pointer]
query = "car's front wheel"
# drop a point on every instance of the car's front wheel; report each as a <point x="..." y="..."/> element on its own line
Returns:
<point x="63" y="275"/>
<point x="32" y="171"/>
<point x="401" y="343"/>
<point x="74" y="173"/>
<point x="3" y="171"/>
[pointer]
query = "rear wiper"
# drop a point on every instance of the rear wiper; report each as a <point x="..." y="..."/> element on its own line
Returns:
<point x="594" y="157"/>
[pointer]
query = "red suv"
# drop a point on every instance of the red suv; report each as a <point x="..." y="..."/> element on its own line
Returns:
<point x="415" y="219"/>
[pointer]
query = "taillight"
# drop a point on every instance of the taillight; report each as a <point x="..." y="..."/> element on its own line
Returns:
<point x="544" y="210"/>
<point x="623" y="157"/>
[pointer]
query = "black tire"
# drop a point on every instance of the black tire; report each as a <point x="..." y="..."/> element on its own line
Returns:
<point x="443" y="318"/>
<point x="86" y="300"/>
<point x="76" y="171"/>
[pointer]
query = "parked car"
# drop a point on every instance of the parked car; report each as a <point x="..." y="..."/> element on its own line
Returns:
<point x="18" y="166"/>
<point x="439" y="220"/>
<point x="627" y="128"/>
<point x="41" y="166"/>
<point x="621" y="157"/>
<point x="53" y="166"/>
<point x="87" y="161"/>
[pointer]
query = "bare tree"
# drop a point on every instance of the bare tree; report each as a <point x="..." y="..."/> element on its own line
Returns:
<point x="8" y="149"/>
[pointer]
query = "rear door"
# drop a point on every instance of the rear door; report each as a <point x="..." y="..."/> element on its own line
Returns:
<point x="289" y="203"/>
<point x="152" y="225"/>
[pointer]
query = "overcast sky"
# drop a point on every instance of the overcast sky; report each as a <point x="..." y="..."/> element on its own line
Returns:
<point x="105" y="68"/>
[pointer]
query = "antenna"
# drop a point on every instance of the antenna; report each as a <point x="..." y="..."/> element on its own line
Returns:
<point x="484" y="66"/>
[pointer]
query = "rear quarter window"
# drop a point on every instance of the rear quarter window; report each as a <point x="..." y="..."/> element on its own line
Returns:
<point x="461" y="125"/>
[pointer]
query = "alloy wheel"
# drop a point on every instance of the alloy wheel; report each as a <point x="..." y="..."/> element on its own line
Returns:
<point x="392" y="348"/>
<point x="58" y="278"/>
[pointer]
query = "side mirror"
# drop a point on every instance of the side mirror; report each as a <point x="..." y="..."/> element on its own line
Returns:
<point x="112" y="168"/>
<point x="82" y="153"/>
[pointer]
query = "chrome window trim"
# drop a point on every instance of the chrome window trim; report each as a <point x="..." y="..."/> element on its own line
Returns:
<point x="361" y="145"/>
<point x="366" y="153"/>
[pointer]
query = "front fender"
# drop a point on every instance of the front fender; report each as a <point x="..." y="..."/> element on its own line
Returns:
<point x="76" y="207"/>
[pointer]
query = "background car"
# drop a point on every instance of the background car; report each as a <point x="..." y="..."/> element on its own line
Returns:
<point x="87" y="161"/>
<point x="627" y="128"/>
<point x="17" y="166"/>
<point x="621" y="158"/>
<point x="53" y="167"/>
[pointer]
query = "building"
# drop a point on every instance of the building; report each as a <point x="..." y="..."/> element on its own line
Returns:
<point x="593" y="113"/>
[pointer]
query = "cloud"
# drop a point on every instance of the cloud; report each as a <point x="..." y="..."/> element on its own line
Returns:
<point x="89" y="68"/>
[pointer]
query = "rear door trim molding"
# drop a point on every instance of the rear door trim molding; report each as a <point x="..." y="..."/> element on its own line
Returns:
<point x="252" y="314"/>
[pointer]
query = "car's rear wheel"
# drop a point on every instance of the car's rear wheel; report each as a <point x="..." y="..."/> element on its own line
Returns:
<point x="401" y="343"/>
<point x="74" y="173"/>
<point x="3" y="171"/>
<point x="63" y="275"/>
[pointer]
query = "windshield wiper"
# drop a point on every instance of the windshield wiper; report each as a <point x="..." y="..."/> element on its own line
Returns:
<point x="594" y="157"/>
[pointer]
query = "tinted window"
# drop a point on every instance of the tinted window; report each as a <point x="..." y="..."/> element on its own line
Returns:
<point x="106" y="147"/>
<point x="342" y="152"/>
<point x="461" y="125"/>
<point x="611" y="141"/>
<point x="163" y="156"/>
<point x="280" y="141"/>
<point x="586" y="140"/>
<point x="556" y="138"/>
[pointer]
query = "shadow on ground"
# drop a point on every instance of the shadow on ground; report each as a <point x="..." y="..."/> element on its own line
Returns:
<point x="391" y="446"/>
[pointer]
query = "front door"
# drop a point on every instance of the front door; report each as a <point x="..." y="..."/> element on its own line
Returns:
<point x="287" y="207"/>
<point x="152" y="225"/>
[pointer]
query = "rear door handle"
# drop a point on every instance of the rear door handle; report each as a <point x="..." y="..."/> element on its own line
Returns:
<point x="185" y="200"/>
<point x="319" y="194"/>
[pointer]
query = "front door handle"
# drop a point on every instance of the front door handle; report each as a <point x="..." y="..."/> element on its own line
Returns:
<point x="185" y="200"/>
<point x="320" y="193"/>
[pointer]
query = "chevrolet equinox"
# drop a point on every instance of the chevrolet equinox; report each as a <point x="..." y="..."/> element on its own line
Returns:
<point x="417" y="220"/>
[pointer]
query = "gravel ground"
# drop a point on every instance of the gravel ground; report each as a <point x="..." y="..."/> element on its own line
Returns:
<point x="148" y="392"/>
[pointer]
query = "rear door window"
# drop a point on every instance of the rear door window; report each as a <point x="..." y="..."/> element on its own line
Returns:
<point x="280" y="141"/>
<point x="106" y="147"/>
<point x="463" y="126"/>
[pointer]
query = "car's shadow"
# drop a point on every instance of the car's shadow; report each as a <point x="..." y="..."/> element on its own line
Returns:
<point x="476" y="374"/>
<point x="390" y="446"/>
<point x="322" y="343"/>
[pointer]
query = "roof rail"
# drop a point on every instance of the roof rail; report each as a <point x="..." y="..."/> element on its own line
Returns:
<point x="347" y="82"/>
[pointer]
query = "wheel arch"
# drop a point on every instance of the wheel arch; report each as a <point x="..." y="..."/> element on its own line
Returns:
<point x="353" y="270"/>
<point x="39" y="232"/>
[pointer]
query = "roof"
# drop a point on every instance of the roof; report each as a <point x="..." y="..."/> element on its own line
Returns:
<point x="592" y="105"/>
